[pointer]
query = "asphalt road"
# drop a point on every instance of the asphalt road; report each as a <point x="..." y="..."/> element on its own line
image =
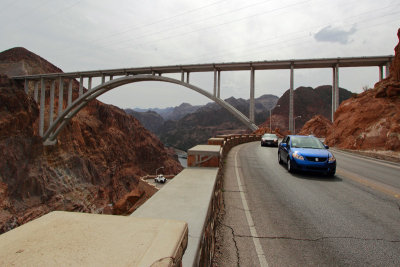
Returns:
<point x="274" y="218"/>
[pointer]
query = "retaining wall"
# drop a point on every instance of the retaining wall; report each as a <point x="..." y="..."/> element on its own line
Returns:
<point x="195" y="196"/>
<point x="207" y="247"/>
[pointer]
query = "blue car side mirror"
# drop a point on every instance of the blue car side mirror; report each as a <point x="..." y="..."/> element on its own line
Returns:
<point x="283" y="144"/>
<point x="327" y="147"/>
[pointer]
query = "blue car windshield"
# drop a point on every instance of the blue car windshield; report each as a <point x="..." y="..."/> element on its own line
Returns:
<point x="306" y="142"/>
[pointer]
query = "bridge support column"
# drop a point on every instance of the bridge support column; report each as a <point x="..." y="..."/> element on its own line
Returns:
<point x="215" y="83"/>
<point x="80" y="86"/>
<point x="103" y="79"/>
<point x="380" y="73"/>
<point x="70" y="92"/>
<point x="182" y="76"/>
<point x="36" y="91"/>
<point x="187" y="77"/>
<point x="60" y="95"/>
<point x="291" y="105"/>
<point x="219" y="85"/>
<point x="337" y="87"/>
<point x="387" y="72"/>
<point x="89" y="83"/>
<point x="111" y="77"/>
<point x="335" y="90"/>
<point x="51" y="115"/>
<point x="26" y="87"/>
<point x="42" y="106"/>
<point x="251" y="115"/>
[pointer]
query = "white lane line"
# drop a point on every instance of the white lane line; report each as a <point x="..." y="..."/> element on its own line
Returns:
<point x="250" y="222"/>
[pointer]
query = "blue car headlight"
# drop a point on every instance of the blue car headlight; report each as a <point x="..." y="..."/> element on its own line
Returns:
<point x="332" y="159"/>
<point x="296" y="155"/>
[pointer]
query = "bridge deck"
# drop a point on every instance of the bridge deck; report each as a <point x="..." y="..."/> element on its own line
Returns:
<point x="233" y="66"/>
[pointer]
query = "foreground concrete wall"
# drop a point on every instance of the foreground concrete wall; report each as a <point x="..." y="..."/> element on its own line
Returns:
<point x="81" y="239"/>
<point x="195" y="196"/>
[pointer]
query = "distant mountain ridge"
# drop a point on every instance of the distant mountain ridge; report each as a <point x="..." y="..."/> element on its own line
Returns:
<point x="172" y="113"/>
<point x="211" y="119"/>
<point x="195" y="127"/>
<point x="151" y="120"/>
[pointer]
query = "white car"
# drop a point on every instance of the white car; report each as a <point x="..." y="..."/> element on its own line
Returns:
<point x="160" y="179"/>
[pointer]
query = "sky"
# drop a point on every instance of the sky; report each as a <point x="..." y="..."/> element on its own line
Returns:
<point x="80" y="35"/>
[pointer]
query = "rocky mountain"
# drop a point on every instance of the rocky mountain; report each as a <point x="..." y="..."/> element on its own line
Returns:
<point x="318" y="126"/>
<point x="151" y="120"/>
<point x="95" y="167"/>
<point x="371" y="120"/>
<point x="210" y="120"/>
<point x="172" y="113"/>
<point x="179" y="112"/>
<point x="308" y="102"/>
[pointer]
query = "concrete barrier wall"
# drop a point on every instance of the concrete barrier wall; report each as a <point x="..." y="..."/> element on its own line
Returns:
<point x="195" y="196"/>
<point x="207" y="246"/>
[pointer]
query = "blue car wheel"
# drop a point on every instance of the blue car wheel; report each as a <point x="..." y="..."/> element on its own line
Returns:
<point x="331" y="173"/>
<point x="289" y="165"/>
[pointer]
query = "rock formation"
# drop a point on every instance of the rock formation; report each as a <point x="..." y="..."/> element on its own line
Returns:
<point x="371" y="120"/>
<point x="308" y="103"/>
<point x="318" y="126"/>
<point x="151" y="120"/>
<point x="390" y="87"/>
<point x="98" y="161"/>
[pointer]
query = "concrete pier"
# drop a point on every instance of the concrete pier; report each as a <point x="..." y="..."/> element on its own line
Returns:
<point x="80" y="86"/>
<point x="70" y="92"/>
<point x="291" y="100"/>
<point x="51" y="112"/>
<point x="60" y="95"/>
<point x="335" y="90"/>
<point x="36" y="91"/>
<point x="251" y="115"/>
<point x="42" y="106"/>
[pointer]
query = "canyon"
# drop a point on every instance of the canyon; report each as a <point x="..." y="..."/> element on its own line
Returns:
<point x="95" y="166"/>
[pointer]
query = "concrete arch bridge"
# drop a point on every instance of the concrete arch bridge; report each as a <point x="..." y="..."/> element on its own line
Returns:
<point x="119" y="77"/>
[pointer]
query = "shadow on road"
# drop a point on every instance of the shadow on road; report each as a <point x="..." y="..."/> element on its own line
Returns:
<point x="314" y="176"/>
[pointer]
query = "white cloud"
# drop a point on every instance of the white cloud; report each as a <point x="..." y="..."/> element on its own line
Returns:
<point x="334" y="35"/>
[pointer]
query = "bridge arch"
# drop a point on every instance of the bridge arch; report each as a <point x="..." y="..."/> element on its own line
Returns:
<point x="50" y="136"/>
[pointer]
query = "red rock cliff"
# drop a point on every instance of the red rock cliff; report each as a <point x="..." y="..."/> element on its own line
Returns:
<point x="97" y="162"/>
<point x="372" y="119"/>
<point x="318" y="126"/>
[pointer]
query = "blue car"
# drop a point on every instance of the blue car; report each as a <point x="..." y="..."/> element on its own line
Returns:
<point x="306" y="153"/>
